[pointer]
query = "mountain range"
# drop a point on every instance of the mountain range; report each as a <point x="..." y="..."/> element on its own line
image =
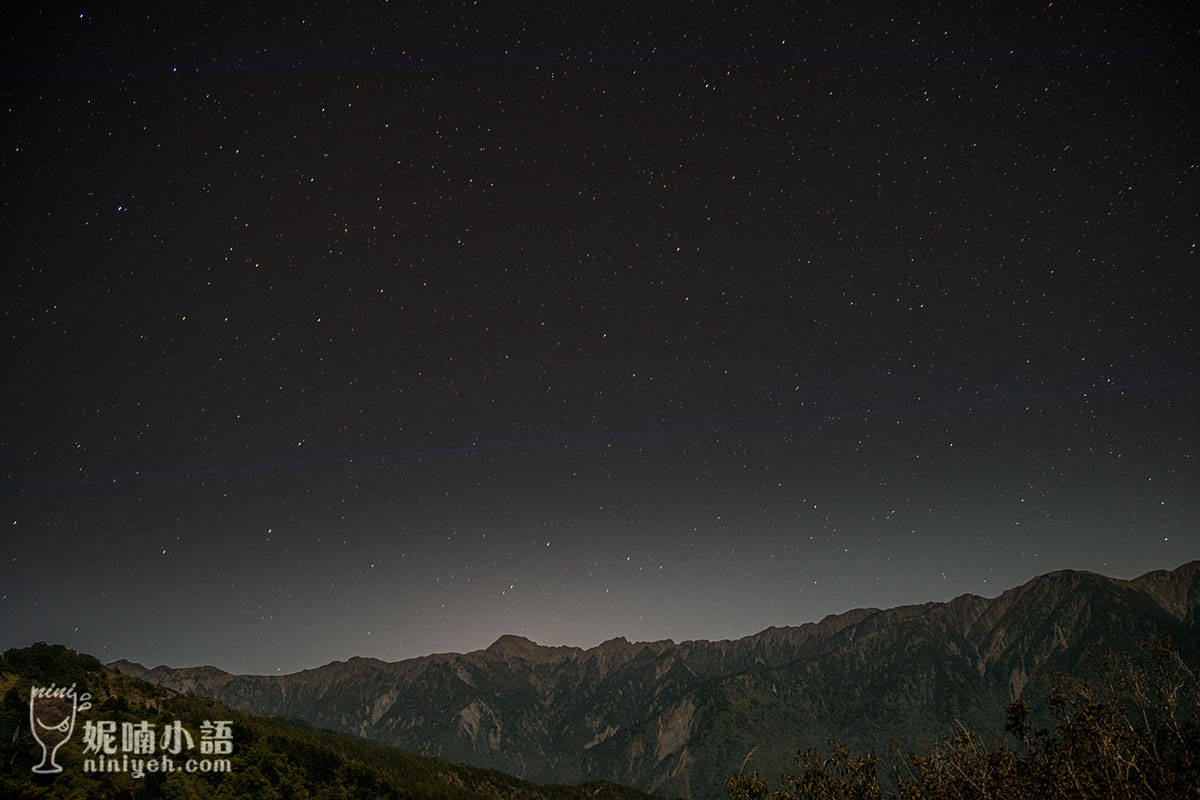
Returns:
<point x="267" y="759"/>
<point x="676" y="719"/>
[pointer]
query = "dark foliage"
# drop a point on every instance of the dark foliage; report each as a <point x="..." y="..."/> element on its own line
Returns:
<point x="1131" y="733"/>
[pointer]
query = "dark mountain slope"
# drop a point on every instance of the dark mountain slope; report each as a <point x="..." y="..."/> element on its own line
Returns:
<point x="270" y="758"/>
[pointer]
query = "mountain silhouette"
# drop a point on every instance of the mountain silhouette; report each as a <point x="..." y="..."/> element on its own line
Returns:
<point x="676" y="718"/>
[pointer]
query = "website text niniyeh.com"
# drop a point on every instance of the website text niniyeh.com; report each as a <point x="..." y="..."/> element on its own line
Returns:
<point x="138" y="767"/>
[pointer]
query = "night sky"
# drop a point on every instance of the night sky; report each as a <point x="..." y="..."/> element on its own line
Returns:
<point x="387" y="330"/>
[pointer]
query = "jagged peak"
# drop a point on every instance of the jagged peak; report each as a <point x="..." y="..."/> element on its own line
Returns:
<point x="131" y="668"/>
<point x="1186" y="571"/>
<point x="207" y="669"/>
<point x="365" y="660"/>
<point x="140" y="670"/>
<point x="513" y="646"/>
<point x="511" y="641"/>
<point x="1174" y="590"/>
<point x="618" y="648"/>
<point x="616" y="641"/>
<point x="1065" y="573"/>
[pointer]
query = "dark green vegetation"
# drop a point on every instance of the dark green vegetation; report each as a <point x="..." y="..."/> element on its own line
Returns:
<point x="676" y="719"/>
<point x="1131" y="732"/>
<point x="271" y="758"/>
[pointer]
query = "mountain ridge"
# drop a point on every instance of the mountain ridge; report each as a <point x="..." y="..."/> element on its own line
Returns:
<point x="676" y="717"/>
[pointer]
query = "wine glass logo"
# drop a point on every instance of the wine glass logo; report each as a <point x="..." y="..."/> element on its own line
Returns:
<point x="52" y="718"/>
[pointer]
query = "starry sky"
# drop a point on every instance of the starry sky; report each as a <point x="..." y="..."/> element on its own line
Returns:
<point x="388" y="329"/>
